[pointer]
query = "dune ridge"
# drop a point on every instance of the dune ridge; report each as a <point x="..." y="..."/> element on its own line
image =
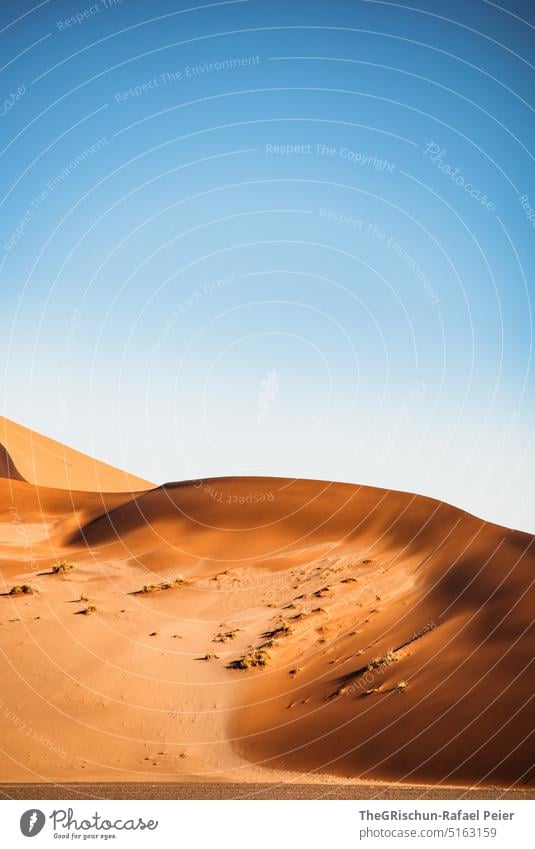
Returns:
<point x="8" y="469"/>
<point x="48" y="463"/>
<point x="260" y="629"/>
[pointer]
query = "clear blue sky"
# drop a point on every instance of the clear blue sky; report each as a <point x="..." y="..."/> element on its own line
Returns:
<point x="266" y="237"/>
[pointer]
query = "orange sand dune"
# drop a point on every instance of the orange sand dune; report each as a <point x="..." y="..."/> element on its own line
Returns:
<point x="26" y="455"/>
<point x="7" y="466"/>
<point x="396" y="633"/>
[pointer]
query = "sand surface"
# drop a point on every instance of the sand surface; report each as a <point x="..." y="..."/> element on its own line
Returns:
<point x="397" y="631"/>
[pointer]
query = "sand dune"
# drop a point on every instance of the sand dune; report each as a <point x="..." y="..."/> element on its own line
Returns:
<point x="45" y="462"/>
<point x="7" y="466"/>
<point x="390" y="632"/>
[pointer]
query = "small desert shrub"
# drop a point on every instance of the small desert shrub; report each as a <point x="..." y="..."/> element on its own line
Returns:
<point x="18" y="590"/>
<point x="372" y="691"/>
<point x="224" y="636"/>
<point x="256" y="657"/>
<point x="380" y="662"/>
<point x="87" y="611"/>
<point x="401" y="686"/>
<point x="154" y="588"/>
<point x="61" y="568"/>
<point x="210" y="655"/>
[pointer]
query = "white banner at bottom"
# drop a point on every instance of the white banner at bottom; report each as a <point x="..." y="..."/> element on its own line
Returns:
<point x="254" y="824"/>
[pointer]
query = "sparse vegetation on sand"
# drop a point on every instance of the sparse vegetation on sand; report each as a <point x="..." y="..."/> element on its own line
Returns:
<point x="224" y="636"/>
<point x="372" y="691"/>
<point x="147" y="588"/>
<point x="164" y="585"/>
<point x="61" y="568"/>
<point x="384" y="660"/>
<point x="304" y="614"/>
<point x="401" y="686"/>
<point x="256" y="657"/>
<point x="282" y="630"/>
<point x="22" y="589"/>
<point x="210" y="655"/>
<point x="87" y="611"/>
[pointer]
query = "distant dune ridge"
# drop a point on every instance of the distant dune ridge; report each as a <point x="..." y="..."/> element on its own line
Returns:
<point x="255" y="629"/>
<point x="45" y="462"/>
<point x="7" y="467"/>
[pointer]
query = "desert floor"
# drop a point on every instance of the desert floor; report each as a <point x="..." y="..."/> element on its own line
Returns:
<point x="243" y="792"/>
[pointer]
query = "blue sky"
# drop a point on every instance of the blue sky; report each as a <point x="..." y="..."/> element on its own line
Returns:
<point x="270" y="238"/>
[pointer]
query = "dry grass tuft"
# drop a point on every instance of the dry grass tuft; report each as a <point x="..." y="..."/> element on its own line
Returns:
<point x="61" y="568"/>
<point x="381" y="662"/>
<point x="224" y="636"/>
<point x="372" y="691"/>
<point x="254" y="658"/>
<point x="22" y="589"/>
<point x="164" y="585"/>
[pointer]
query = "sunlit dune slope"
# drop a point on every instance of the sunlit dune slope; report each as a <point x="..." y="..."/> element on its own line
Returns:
<point x="45" y="462"/>
<point x="259" y="629"/>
